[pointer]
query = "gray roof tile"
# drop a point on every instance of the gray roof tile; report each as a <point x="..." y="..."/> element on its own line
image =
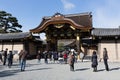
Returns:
<point x="106" y="32"/>
<point x="20" y="35"/>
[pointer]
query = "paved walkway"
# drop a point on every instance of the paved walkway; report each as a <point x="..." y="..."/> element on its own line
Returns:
<point x="36" y="71"/>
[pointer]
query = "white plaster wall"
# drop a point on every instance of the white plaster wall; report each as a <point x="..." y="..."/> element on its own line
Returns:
<point x="7" y="45"/>
<point x="118" y="49"/>
<point x="18" y="47"/>
<point x="0" y="46"/>
<point x="90" y="51"/>
<point x="111" y="48"/>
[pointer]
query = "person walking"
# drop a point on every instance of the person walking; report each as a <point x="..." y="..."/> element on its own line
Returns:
<point x="23" y="56"/>
<point x="5" y="56"/>
<point x="71" y="61"/>
<point x="94" y="61"/>
<point x="105" y="59"/>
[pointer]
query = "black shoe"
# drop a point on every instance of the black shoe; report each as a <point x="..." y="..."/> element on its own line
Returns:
<point x="107" y="70"/>
<point x="22" y="70"/>
<point x="94" y="70"/>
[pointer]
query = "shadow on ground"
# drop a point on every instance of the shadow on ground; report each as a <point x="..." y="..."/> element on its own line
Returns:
<point x="13" y="72"/>
<point x="100" y="70"/>
<point x="112" y="69"/>
<point x="117" y="68"/>
<point x="83" y="69"/>
<point x="8" y="73"/>
<point x="39" y="69"/>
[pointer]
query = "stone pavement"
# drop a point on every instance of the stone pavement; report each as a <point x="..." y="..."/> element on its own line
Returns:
<point x="54" y="71"/>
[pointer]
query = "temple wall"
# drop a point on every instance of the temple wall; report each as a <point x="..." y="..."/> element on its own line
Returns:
<point x="118" y="48"/>
<point x="16" y="47"/>
<point x="0" y="46"/>
<point x="112" y="48"/>
<point x="89" y="52"/>
<point x="7" y="45"/>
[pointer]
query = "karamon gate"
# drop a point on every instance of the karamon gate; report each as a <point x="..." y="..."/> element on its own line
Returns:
<point x="69" y="27"/>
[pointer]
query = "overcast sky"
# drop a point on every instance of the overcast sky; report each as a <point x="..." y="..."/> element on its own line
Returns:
<point x="106" y="13"/>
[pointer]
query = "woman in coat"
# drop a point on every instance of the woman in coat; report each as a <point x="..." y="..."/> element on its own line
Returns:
<point x="94" y="61"/>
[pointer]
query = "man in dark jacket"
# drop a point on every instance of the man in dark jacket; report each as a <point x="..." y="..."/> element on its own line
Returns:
<point x="5" y="56"/>
<point x="94" y="61"/>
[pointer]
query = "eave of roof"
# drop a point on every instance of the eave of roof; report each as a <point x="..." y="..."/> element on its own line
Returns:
<point x="70" y="15"/>
<point x="106" y="32"/>
<point x="11" y="36"/>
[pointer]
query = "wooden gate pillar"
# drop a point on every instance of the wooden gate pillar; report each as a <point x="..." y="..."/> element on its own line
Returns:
<point x="78" y="44"/>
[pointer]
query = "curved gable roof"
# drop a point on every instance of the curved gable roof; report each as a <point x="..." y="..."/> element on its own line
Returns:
<point x="79" y="21"/>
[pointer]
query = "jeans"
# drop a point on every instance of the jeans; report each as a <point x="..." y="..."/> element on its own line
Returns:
<point x="9" y="63"/>
<point x="23" y="64"/>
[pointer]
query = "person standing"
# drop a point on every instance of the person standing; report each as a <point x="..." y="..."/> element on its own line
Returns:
<point x="23" y="56"/>
<point x="105" y="59"/>
<point x="1" y="53"/>
<point x="5" y="56"/>
<point x="71" y="61"/>
<point x="1" y="57"/>
<point x="39" y="56"/>
<point x="55" y="56"/>
<point x="65" y="57"/>
<point x="94" y="61"/>
<point x="46" y="56"/>
<point x="10" y="59"/>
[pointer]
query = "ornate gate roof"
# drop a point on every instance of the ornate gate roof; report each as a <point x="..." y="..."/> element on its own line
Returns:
<point x="78" y="21"/>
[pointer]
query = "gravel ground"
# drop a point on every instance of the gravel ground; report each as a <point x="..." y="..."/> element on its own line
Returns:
<point x="55" y="71"/>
